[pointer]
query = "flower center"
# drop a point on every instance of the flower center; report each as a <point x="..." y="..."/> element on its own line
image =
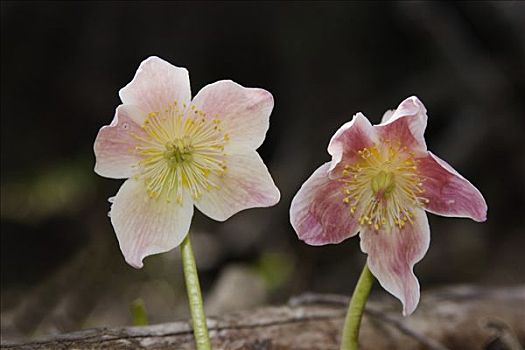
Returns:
<point x="182" y="149"/>
<point x="178" y="151"/>
<point x="383" y="186"/>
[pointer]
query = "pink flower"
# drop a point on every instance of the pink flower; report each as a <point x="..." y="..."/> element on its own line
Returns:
<point x="178" y="152"/>
<point x="379" y="183"/>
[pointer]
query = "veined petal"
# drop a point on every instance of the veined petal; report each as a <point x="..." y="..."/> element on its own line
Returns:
<point x="318" y="213"/>
<point x="245" y="184"/>
<point x="115" y="144"/>
<point x="350" y="138"/>
<point x="146" y="226"/>
<point x="406" y="124"/>
<point x="449" y="193"/>
<point x="393" y="254"/>
<point x="157" y="84"/>
<point x="244" y="112"/>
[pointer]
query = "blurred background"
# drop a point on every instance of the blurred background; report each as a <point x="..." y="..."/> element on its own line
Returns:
<point x="62" y="67"/>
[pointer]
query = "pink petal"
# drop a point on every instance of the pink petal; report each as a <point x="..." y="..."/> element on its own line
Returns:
<point x="350" y="138"/>
<point x="318" y="213"/>
<point x="115" y="144"/>
<point x="449" y="193"/>
<point x="392" y="255"/>
<point x="246" y="184"/>
<point x="244" y="112"/>
<point x="406" y="124"/>
<point x="146" y="226"/>
<point x="157" y="84"/>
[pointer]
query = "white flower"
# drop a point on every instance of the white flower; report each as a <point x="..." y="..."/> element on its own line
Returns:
<point x="178" y="152"/>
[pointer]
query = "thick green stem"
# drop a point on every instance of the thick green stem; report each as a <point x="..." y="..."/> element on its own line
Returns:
<point x="349" y="340"/>
<point x="200" y="328"/>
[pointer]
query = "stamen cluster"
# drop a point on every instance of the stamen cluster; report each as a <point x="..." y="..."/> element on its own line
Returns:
<point x="182" y="149"/>
<point x="383" y="186"/>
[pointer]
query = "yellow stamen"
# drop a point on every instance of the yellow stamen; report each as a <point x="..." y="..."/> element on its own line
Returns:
<point x="383" y="187"/>
<point x="181" y="150"/>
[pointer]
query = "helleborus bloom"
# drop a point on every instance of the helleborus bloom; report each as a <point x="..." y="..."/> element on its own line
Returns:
<point x="178" y="152"/>
<point x="379" y="183"/>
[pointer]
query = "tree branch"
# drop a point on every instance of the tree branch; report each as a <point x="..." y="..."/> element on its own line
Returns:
<point x="453" y="318"/>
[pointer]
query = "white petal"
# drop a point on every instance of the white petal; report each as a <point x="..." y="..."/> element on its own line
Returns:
<point x="244" y="112"/>
<point x="146" y="226"/>
<point x="246" y="184"/>
<point x="156" y="84"/>
<point x="388" y="114"/>
<point x="115" y="144"/>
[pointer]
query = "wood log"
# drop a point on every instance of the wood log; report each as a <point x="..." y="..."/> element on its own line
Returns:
<point x="460" y="317"/>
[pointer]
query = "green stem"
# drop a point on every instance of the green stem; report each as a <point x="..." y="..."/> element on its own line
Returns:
<point x="138" y="312"/>
<point x="355" y="310"/>
<point x="200" y="328"/>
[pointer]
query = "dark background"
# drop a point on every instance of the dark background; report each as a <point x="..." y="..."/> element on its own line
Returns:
<point x="62" y="67"/>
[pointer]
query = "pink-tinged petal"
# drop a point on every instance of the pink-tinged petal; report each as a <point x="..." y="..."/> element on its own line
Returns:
<point x="387" y="115"/>
<point x="245" y="184"/>
<point x="406" y="125"/>
<point x="449" y="193"/>
<point x="392" y="256"/>
<point x="318" y="213"/>
<point x="350" y="138"/>
<point x="244" y="112"/>
<point x="157" y="84"/>
<point x="146" y="226"/>
<point x="115" y="144"/>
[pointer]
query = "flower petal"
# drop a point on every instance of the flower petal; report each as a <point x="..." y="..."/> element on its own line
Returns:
<point x="387" y="115"/>
<point x="318" y="213"/>
<point x="449" y="193"/>
<point x="350" y="138"/>
<point x="392" y="255"/>
<point x="146" y="226"/>
<point x="244" y="112"/>
<point x="115" y="144"/>
<point x="246" y="184"/>
<point x="156" y="84"/>
<point x="407" y="124"/>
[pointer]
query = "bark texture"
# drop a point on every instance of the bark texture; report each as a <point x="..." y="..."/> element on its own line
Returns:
<point x="452" y="318"/>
